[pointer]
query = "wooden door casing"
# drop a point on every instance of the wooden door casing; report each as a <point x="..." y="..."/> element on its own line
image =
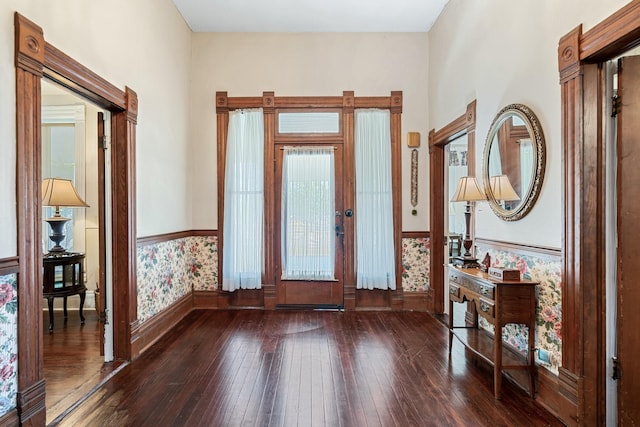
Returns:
<point x="35" y="58"/>
<point x="582" y="376"/>
<point x="347" y="103"/>
<point x="438" y="140"/>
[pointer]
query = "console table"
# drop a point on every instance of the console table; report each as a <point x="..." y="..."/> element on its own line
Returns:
<point x="499" y="302"/>
<point x="63" y="277"/>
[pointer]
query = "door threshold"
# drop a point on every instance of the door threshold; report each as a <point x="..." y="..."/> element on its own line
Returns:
<point x="315" y="307"/>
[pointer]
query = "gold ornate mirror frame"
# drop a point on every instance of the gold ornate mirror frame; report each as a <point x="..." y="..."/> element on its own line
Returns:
<point x="513" y="127"/>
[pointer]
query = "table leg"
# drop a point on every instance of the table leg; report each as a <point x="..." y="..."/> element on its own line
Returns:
<point x="497" y="355"/>
<point x="450" y="325"/>
<point x="50" y="305"/>
<point x="65" y="308"/>
<point x="82" y="296"/>
<point x="531" y="359"/>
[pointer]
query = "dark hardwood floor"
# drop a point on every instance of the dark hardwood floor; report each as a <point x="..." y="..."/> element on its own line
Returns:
<point x="72" y="362"/>
<point x="305" y="368"/>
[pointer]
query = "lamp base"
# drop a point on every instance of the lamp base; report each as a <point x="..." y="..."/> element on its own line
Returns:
<point x="57" y="235"/>
<point x="466" y="262"/>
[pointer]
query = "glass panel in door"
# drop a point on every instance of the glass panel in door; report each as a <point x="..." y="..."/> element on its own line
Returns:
<point x="309" y="213"/>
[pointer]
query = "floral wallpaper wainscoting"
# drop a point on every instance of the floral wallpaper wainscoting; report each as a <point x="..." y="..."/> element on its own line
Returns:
<point x="203" y="266"/>
<point x="546" y="269"/>
<point x="415" y="264"/>
<point x="163" y="276"/>
<point x="8" y="343"/>
<point x="169" y="270"/>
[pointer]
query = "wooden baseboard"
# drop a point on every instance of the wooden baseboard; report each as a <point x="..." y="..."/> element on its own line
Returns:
<point x="568" y="386"/>
<point x="242" y="298"/>
<point x="549" y="396"/>
<point x="417" y="301"/>
<point x="10" y="419"/>
<point x="145" y="334"/>
<point x="31" y="404"/>
<point x="245" y="298"/>
<point x="374" y="299"/>
<point x="413" y="301"/>
<point x="206" y="300"/>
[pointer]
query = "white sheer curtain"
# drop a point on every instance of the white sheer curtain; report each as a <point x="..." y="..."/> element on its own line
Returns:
<point x="495" y="159"/>
<point x="308" y="213"/>
<point x="526" y="165"/>
<point x="243" y="252"/>
<point x="375" y="265"/>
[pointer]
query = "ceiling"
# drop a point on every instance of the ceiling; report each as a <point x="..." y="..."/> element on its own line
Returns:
<point x="310" y="15"/>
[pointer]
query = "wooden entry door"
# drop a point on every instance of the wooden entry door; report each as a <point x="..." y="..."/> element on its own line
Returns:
<point x="628" y="289"/>
<point x="309" y="238"/>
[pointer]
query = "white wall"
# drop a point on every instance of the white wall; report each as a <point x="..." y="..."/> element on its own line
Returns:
<point x="143" y="44"/>
<point x="305" y="64"/>
<point x="473" y="52"/>
<point x="502" y="52"/>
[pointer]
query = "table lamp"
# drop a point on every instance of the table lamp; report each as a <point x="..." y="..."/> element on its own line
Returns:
<point x="467" y="191"/>
<point x="502" y="189"/>
<point x="57" y="192"/>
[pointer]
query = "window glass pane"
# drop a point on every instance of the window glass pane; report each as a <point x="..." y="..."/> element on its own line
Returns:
<point x="328" y="122"/>
<point x="308" y="235"/>
<point x="59" y="161"/>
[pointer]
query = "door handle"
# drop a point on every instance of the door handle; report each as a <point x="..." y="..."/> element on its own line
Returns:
<point x="339" y="231"/>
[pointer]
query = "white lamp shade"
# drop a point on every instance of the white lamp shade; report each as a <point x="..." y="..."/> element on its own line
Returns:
<point x="468" y="191"/>
<point x="60" y="192"/>
<point x="502" y="189"/>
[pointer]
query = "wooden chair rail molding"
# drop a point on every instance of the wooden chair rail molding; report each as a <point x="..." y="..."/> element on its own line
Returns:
<point x="416" y="234"/>
<point x="9" y="266"/>
<point x="520" y="248"/>
<point x="167" y="237"/>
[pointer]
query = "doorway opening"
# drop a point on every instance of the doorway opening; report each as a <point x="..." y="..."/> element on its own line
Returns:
<point x="622" y="80"/>
<point x="462" y="127"/>
<point x="456" y="167"/>
<point x="75" y="135"/>
<point x="35" y="59"/>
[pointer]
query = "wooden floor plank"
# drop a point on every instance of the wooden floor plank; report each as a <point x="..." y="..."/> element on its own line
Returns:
<point x="255" y="368"/>
<point x="73" y="366"/>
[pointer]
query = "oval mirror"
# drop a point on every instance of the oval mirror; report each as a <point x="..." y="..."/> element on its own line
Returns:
<point x="514" y="162"/>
